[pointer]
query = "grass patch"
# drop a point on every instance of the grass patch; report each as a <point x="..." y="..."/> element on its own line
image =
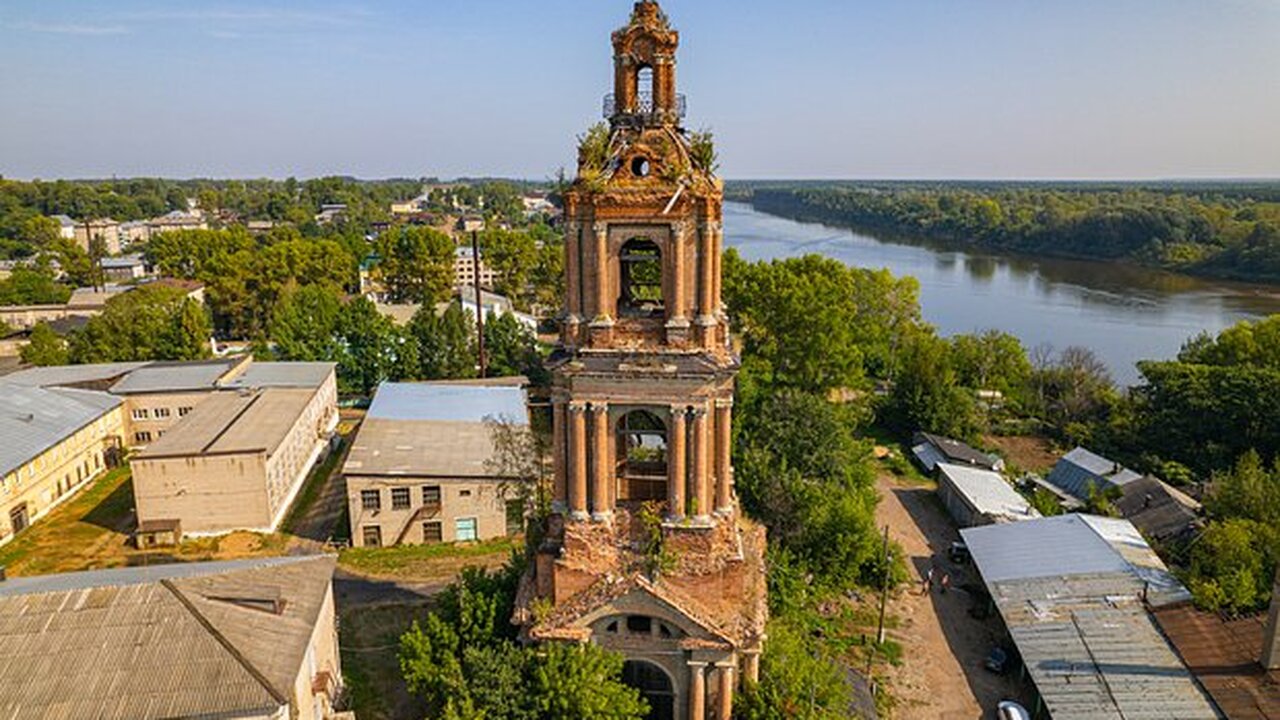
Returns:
<point x="313" y="487"/>
<point x="369" y="640"/>
<point x="73" y="534"/>
<point x="424" y="561"/>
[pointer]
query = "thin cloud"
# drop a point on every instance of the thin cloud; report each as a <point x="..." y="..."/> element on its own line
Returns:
<point x="335" y="17"/>
<point x="70" y="29"/>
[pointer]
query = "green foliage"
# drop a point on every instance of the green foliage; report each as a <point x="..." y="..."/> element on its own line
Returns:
<point x="927" y="394"/>
<point x="149" y="323"/>
<point x="44" y="347"/>
<point x="416" y="265"/>
<point x="304" y="325"/>
<point x="992" y="360"/>
<point x="513" y="255"/>
<point x="464" y="663"/>
<point x="511" y="349"/>
<point x="32" y="286"/>
<point x="1100" y="501"/>
<point x="593" y="149"/>
<point x="1250" y="490"/>
<point x="1070" y="390"/>
<point x="1230" y="231"/>
<point x="702" y="152"/>
<point x="1232" y="565"/>
<point x="795" y="680"/>
<point x="1045" y="502"/>
<point x="446" y="343"/>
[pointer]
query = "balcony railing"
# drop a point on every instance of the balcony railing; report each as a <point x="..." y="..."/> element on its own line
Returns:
<point x="644" y="106"/>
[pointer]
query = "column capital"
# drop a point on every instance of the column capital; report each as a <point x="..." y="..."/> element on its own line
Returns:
<point x="576" y="406"/>
<point x="600" y="228"/>
<point x="714" y="226"/>
<point x="599" y="406"/>
<point x="681" y="227"/>
<point x="698" y="411"/>
<point x="722" y="403"/>
<point x="698" y="664"/>
<point x="679" y="409"/>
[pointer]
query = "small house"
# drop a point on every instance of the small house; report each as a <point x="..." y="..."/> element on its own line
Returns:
<point x="1080" y="470"/>
<point x="930" y="449"/>
<point x="974" y="496"/>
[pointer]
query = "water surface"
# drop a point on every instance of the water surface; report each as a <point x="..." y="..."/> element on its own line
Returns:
<point x="1123" y="312"/>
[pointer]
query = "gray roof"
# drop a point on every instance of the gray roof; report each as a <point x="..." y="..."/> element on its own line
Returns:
<point x="1070" y="590"/>
<point x="448" y="402"/>
<point x="1079" y="469"/>
<point x="987" y="492"/>
<point x="196" y="640"/>
<point x="282" y="375"/>
<point x="239" y="422"/>
<point x="124" y="261"/>
<point x="421" y="448"/>
<point x="174" y="377"/>
<point x="72" y="374"/>
<point x="932" y="449"/>
<point x="34" y="419"/>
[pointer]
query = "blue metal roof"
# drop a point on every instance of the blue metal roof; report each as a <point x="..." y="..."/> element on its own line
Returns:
<point x="1080" y="469"/>
<point x="448" y="401"/>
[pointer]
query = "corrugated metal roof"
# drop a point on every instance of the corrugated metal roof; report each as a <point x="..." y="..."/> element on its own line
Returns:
<point x="987" y="492"/>
<point x="1070" y="590"/>
<point x="117" y="645"/>
<point x="72" y="374"/>
<point x="1223" y="655"/>
<point x="34" y="419"/>
<point x="282" y="375"/>
<point x="174" y="377"/>
<point x="1079" y="469"/>
<point x="421" y="448"/>
<point x="448" y="402"/>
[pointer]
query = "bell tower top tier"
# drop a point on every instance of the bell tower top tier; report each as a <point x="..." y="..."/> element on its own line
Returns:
<point x="643" y="234"/>
<point x="644" y="71"/>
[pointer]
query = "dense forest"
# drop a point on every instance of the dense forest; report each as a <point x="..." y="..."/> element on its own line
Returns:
<point x="1228" y="230"/>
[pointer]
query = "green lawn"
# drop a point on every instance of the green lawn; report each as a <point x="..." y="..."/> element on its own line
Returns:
<point x="76" y="534"/>
<point x="427" y="561"/>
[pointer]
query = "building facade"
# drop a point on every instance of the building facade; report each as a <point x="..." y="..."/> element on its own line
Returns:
<point x="236" y="462"/>
<point x="642" y="410"/>
<point x="54" y="442"/>
<point x="421" y="468"/>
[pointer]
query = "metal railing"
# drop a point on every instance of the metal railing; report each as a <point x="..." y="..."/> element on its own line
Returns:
<point x="644" y="106"/>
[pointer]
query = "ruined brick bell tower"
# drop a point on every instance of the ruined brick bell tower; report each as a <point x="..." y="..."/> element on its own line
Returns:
<point x="645" y="552"/>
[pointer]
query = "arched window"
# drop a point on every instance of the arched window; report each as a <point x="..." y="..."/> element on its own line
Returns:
<point x="641" y="279"/>
<point x="644" y="90"/>
<point x="642" y="457"/>
<point x="654" y="686"/>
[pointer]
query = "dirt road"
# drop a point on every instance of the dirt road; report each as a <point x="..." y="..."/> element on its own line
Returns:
<point x="941" y="677"/>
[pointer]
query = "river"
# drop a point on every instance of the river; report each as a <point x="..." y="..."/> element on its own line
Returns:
<point x="1124" y="313"/>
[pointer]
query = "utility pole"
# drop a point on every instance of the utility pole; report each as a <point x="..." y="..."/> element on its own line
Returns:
<point x="475" y="280"/>
<point x="884" y="587"/>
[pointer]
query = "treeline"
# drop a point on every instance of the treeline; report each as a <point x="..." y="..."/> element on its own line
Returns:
<point x="1230" y="231"/>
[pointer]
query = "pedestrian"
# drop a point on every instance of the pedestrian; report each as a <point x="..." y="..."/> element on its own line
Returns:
<point x="928" y="582"/>
<point x="946" y="582"/>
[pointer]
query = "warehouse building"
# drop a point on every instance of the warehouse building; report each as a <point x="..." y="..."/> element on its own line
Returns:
<point x="974" y="496"/>
<point x="422" y="466"/>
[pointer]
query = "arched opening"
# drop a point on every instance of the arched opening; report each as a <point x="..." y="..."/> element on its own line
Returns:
<point x="644" y="90"/>
<point x="654" y="686"/>
<point x="640" y="166"/>
<point x="641" y="279"/>
<point x="642" y="457"/>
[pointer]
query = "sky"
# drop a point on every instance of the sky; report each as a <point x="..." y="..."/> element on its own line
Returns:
<point x="1050" y="89"/>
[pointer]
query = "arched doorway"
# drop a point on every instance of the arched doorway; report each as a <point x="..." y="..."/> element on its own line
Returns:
<point x="642" y="457"/>
<point x="641" y="275"/>
<point x="654" y="686"/>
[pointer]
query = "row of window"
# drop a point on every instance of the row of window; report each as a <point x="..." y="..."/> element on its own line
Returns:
<point x="144" y="436"/>
<point x="401" y="498"/>
<point x="160" y="413"/>
<point x="464" y="529"/>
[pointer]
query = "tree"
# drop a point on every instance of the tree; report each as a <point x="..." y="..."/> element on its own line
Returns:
<point x="151" y="322"/>
<point x="373" y="348"/>
<point x="304" y="325"/>
<point x="512" y="255"/>
<point x="44" y="347"/>
<point x="927" y="394"/>
<point x="416" y="265"/>
<point x="1232" y="565"/>
<point x="511" y="349"/>
<point x="795" y="682"/>
<point x="446" y="343"/>
<point x="992" y="360"/>
<point x="1249" y="490"/>
<point x="32" y="286"/>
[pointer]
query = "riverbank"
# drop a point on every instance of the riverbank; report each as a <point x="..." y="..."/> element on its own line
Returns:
<point x="1235" y="239"/>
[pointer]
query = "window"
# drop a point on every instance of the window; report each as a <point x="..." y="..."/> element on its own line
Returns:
<point x="641" y="279"/>
<point x="140" y="414"/>
<point x="182" y="411"/>
<point x="371" y="500"/>
<point x="431" y="495"/>
<point x="399" y="498"/>
<point x="639" y="624"/>
<point x="162" y="413"/>
<point x="642" y="456"/>
<point x="432" y="532"/>
<point x="515" y="516"/>
<point x="465" y="529"/>
<point x="372" y="536"/>
<point x="142" y="437"/>
<point x="464" y="493"/>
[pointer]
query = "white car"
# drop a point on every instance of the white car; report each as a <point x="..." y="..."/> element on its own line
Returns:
<point x="1010" y="710"/>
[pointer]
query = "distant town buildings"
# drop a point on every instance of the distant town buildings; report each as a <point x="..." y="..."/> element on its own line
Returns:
<point x="52" y="442"/>
<point x="251" y="639"/>
<point x="104" y="229"/>
<point x="464" y="269"/>
<point x="422" y="466"/>
<point x="331" y="212"/>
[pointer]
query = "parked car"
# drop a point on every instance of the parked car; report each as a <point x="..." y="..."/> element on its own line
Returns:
<point x="1010" y="710"/>
<point x="959" y="553"/>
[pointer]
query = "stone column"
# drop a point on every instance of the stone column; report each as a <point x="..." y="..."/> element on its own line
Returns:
<point x="701" y="474"/>
<point x="717" y="252"/>
<point x="697" y="690"/>
<point x="724" y="699"/>
<point x="751" y="661"/>
<point x="571" y="277"/>
<point x="706" y="272"/>
<point x="677" y="468"/>
<point x="601" y="509"/>
<point x="577" y="461"/>
<point x="724" y="465"/>
<point x="601" y="252"/>
<point x="560" y="486"/>
<point x="676" y="318"/>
